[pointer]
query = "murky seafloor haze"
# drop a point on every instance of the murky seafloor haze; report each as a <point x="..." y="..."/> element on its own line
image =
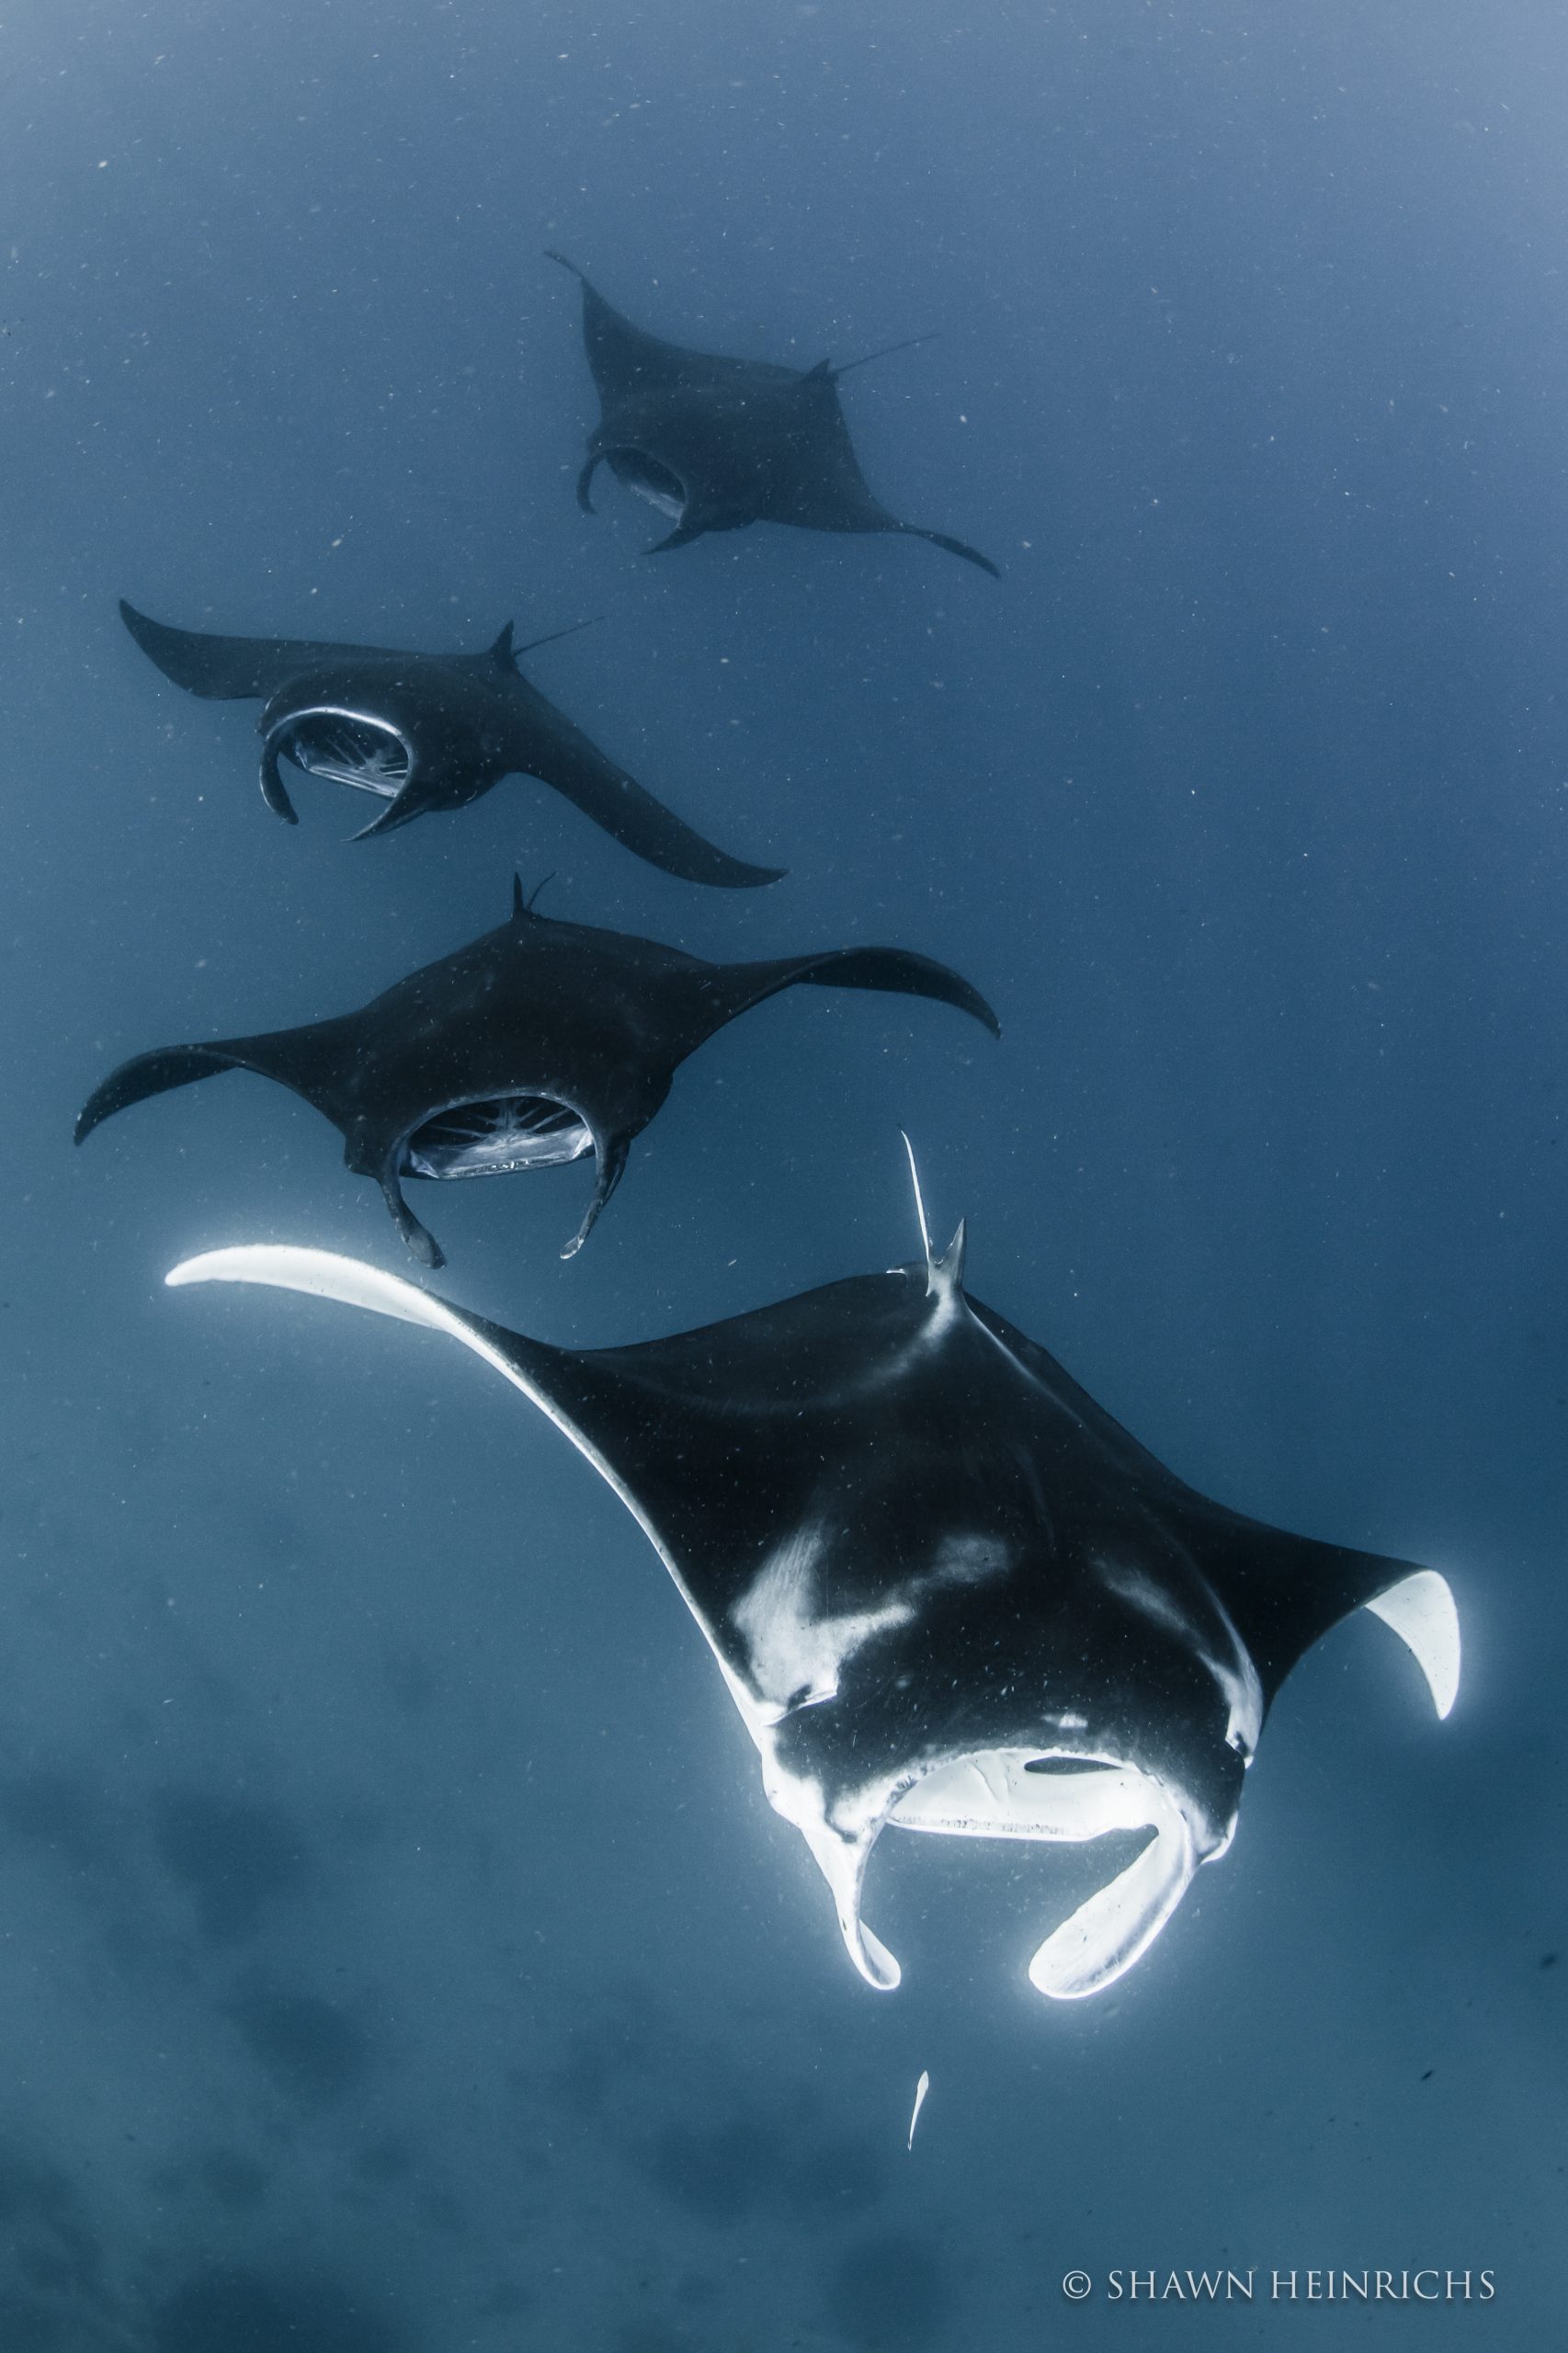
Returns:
<point x="398" y="1952"/>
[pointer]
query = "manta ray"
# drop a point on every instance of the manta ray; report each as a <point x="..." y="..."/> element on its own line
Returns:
<point x="425" y="732"/>
<point x="535" y="1045"/>
<point x="946" y="1590"/>
<point x="715" y="444"/>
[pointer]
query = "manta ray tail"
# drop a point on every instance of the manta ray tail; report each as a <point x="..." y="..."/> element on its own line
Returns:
<point x="954" y="547"/>
<point x="883" y="351"/>
<point x="944" y="1268"/>
<point x="504" y="655"/>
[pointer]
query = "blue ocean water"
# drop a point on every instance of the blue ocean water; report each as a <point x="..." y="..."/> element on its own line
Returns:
<point x="399" y="1955"/>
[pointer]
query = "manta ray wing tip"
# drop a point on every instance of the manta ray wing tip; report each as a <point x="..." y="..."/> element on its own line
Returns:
<point x="324" y="1274"/>
<point x="248" y="1262"/>
<point x="1421" y="1610"/>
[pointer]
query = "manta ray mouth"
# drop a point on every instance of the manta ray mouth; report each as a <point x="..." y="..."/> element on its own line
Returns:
<point x="650" y="480"/>
<point x="1010" y="1794"/>
<point x="350" y="747"/>
<point x="1015" y="1794"/>
<point x="495" y="1136"/>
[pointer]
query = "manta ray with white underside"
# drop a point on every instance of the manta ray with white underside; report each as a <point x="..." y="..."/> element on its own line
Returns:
<point x="947" y="1592"/>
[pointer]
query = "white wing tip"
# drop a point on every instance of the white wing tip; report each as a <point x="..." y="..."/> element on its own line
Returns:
<point x="1421" y="1611"/>
<point x="283" y="1264"/>
<point x="321" y="1274"/>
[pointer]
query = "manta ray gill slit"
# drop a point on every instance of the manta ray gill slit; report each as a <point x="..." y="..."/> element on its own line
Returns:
<point x="496" y="1135"/>
<point x="640" y="473"/>
<point x="352" y="747"/>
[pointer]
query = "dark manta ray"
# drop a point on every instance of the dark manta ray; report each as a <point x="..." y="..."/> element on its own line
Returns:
<point x="425" y="731"/>
<point x="715" y="444"/>
<point x="537" y="1043"/>
<point x="946" y="1590"/>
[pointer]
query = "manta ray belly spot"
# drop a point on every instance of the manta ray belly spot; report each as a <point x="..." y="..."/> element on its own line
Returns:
<point x="496" y="1136"/>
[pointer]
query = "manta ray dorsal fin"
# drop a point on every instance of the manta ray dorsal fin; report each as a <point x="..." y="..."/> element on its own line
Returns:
<point x="1421" y="1610"/>
<point x="944" y="1276"/>
<point x="919" y="1197"/>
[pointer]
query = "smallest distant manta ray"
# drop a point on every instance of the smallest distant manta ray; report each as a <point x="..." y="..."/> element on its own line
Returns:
<point x="536" y="1044"/>
<point x="715" y="444"/>
<point x="947" y="1592"/>
<point x="425" y="732"/>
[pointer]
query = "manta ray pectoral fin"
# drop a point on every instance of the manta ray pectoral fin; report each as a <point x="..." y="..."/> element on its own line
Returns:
<point x="323" y="1274"/>
<point x="631" y="815"/>
<point x="1420" y="1609"/>
<point x="410" y="803"/>
<point x="147" y="1074"/>
<point x="681" y="537"/>
<point x="1102" y="1939"/>
<point x="223" y="669"/>
<point x="895" y="972"/>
